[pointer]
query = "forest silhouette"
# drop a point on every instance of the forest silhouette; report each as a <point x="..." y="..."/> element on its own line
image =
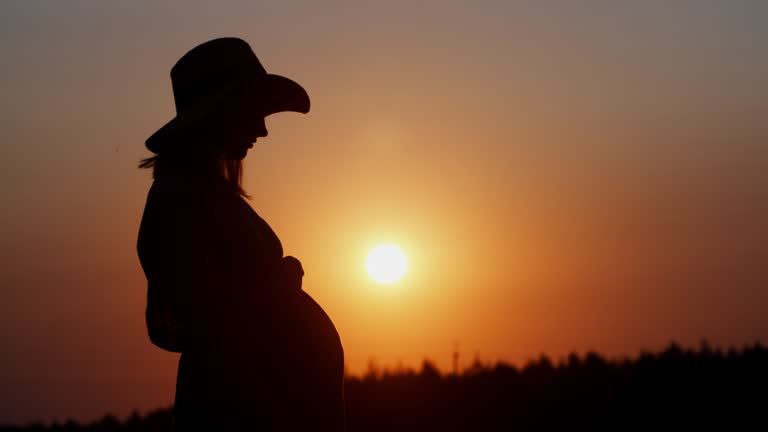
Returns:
<point x="676" y="389"/>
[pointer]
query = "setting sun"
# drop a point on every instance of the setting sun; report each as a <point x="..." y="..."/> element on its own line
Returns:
<point x="386" y="264"/>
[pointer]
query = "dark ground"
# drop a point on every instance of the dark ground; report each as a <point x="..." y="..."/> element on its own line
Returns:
<point x="675" y="389"/>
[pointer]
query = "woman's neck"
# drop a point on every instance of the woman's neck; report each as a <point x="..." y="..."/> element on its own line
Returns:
<point x="190" y="168"/>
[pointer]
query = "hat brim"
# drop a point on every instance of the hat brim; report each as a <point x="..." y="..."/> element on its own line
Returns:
<point x="268" y="95"/>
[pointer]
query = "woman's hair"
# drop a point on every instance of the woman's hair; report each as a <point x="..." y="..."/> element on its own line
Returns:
<point x="230" y="170"/>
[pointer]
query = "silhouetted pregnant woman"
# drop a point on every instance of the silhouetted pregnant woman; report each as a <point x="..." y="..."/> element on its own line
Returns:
<point x="257" y="352"/>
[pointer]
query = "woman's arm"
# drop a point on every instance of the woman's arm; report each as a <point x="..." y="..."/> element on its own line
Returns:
<point x="174" y="248"/>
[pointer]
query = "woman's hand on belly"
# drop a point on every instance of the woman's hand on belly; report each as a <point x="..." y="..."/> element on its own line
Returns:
<point x="291" y="273"/>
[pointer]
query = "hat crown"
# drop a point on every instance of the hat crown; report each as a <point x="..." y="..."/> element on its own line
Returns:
<point x="212" y="67"/>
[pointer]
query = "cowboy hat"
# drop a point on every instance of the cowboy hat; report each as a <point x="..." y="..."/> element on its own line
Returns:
<point x="218" y="80"/>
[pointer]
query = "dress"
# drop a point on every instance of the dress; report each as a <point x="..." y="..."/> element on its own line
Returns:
<point x="255" y="355"/>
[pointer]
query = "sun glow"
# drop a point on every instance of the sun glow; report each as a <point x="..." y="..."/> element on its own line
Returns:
<point x="386" y="264"/>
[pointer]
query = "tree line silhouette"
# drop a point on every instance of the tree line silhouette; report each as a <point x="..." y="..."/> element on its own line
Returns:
<point x="676" y="389"/>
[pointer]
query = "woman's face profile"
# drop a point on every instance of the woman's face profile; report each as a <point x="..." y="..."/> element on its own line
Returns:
<point x="243" y="137"/>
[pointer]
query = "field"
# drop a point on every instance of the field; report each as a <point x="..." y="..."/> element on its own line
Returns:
<point x="676" y="389"/>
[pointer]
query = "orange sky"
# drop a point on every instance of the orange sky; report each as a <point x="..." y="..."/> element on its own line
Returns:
<point x="561" y="179"/>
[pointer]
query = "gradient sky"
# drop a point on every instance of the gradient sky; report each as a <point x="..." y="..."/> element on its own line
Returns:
<point x="562" y="178"/>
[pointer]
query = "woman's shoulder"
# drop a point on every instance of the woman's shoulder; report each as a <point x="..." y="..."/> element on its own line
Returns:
<point x="175" y="201"/>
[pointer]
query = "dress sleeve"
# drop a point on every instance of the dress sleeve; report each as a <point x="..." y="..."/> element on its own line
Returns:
<point x="174" y="247"/>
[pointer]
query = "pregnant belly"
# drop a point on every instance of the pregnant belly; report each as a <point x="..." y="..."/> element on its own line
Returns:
<point x="289" y="332"/>
<point x="313" y="367"/>
<point x="288" y="367"/>
<point x="316" y="333"/>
